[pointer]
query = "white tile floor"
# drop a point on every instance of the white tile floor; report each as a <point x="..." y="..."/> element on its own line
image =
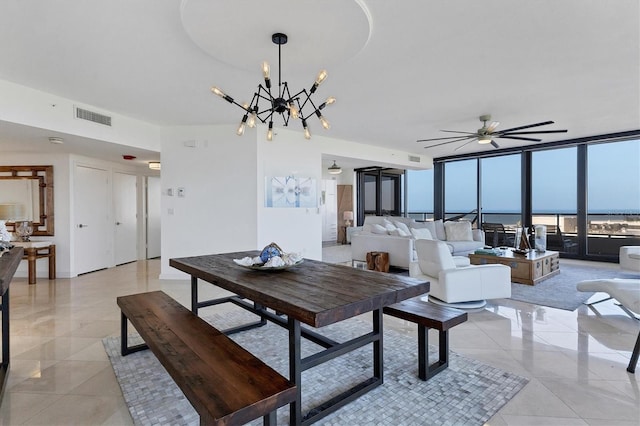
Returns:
<point x="60" y="374"/>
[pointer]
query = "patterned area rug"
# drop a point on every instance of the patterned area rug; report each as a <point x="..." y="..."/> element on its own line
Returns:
<point x="560" y="291"/>
<point x="468" y="392"/>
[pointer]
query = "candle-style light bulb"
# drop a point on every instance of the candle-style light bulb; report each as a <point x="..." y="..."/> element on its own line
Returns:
<point x="217" y="91"/>
<point x="322" y="76"/>
<point x="293" y="110"/>
<point x="242" y="125"/>
<point x="307" y="133"/>
<point x="330" y="100"/>
<point x="266" y="72"/>
<point x="270" y="131"/>
<point x="324" y="122"/>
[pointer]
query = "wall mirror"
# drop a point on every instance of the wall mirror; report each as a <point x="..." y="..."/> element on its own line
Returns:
<point x="31" y="187"/>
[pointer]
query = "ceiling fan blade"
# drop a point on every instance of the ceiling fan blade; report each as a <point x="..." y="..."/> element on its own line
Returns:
<point x="544" y="123"/>
<point x="458" y="131"/>
<point x="518" y="138"/>
<point x="494" y="144"/>
<point x="533" y="132"/>
<point x="444" y="143"/>
<point x="492" y="126"/>
<point x="464" y="144"/>
<point x="441" y="139"/>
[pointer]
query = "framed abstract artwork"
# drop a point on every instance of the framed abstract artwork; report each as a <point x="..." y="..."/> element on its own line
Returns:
<point x="290" y="191"/>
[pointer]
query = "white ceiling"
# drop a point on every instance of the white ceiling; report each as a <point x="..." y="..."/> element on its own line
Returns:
<point x="401" y="71"/>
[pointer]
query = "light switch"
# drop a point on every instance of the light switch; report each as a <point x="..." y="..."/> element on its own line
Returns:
<point x="181" y="192"/>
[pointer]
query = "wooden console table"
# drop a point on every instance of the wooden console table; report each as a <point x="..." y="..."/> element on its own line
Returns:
<point x="8" y="265"/>
<point x="525" y="269"/>
<point x="37" y="250"/>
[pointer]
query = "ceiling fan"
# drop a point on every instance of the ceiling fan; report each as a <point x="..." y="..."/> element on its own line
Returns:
<point x="487" y="134"/>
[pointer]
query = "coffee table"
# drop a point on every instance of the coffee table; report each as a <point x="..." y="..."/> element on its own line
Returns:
<point x="530" y="268"/>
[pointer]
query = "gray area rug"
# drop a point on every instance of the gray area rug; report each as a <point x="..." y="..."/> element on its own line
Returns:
<point x="468" y="392"/>
<point x="560" y="291"/>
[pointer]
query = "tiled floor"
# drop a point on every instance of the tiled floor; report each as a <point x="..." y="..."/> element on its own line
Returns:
<point x="60" y="374"/>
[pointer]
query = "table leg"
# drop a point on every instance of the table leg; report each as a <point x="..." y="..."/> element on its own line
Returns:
<point x="52" y="262"/>
<point x="31" y="259"/>
<point x="194" y="295"/>
<point x="295" y="370"/>
<point x="4" y="368"/>
<point x="378" y="356"/>
<point x="5" y="329"/>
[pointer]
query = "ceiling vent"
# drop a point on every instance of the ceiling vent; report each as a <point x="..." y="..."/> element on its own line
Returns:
<point x="85" y="114"/>
<point x="414" y="158"/>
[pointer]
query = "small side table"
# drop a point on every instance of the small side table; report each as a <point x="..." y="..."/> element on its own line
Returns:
<point x="37" y="250"/>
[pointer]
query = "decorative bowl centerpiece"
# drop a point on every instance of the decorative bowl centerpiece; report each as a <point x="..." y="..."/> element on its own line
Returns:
<point x="271" y="258"/>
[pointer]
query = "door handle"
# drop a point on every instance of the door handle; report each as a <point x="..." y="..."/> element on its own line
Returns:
<point x="82" y="226"/>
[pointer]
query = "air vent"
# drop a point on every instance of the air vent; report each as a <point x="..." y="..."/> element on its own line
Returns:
<point x="85" y="114"/>
<point x="414" y="158"/>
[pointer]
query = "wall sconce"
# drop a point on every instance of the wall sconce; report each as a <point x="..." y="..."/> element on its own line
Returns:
<point x="154" y="165"/>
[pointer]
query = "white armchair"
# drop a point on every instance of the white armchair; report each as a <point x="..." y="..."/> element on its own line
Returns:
<point x="630" y="258"/>
<point x="461" y="287"/>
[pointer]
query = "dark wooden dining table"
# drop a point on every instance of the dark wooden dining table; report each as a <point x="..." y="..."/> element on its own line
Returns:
<point x="313" y="293"/>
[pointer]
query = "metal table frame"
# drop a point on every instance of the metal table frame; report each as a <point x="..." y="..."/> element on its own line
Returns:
<point x="297" y="364"/>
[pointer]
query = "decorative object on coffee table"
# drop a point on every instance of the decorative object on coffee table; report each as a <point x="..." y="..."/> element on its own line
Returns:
<point x="540" y="239"/>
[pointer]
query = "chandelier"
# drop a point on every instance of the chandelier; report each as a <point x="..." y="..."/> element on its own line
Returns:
<point x="282" y="102"/>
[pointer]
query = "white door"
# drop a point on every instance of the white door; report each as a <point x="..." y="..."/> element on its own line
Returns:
<point x="153" y="216"/>
<point x="329" y="210"/>
<point x="125" y="218"/>
<point x="92" y="228"/>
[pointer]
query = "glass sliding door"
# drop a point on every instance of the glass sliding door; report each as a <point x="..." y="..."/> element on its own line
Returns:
<point x="613" y="197"/>
<point x="500" y="183"/>
<point x="554" y="197"/>
<point x="379" y="193"/>
<point x="420" y="194"/>
<point x="461" y="189"/>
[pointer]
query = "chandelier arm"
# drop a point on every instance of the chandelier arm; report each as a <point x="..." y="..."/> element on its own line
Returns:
<point x="315" y="108"/>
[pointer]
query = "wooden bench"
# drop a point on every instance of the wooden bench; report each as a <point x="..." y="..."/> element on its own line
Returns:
<point x="428" y="315"/>
<point x="225" y="383"/>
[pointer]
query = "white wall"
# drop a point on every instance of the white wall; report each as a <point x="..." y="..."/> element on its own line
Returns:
<point x="219" y="176"/>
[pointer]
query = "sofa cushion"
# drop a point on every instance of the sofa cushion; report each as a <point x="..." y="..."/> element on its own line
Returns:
<point x="388" y="225"/>
<point x="421" y="234"/>
<point x="440" y="232"/>
<point x="458" y="231"/>
<point x="397" y="232"/>
<point x="463" y="247"/>
<point x="378" y="229"/>
<point x="402" y="226"/>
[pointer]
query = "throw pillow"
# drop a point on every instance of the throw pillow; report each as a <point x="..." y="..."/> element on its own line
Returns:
<point x="440" y="232"/>
<point x="402" y="226"/>
<point x="388" y="225"/>
<point x="378" y="229"/>
<point x="421" y="234"/>
<point x="458" y="231"/>
<point x="397" y="232"/>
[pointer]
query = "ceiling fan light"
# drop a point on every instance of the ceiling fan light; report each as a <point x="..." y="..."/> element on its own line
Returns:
<point x="485" y="139"/>
<point x="334" y="169"/>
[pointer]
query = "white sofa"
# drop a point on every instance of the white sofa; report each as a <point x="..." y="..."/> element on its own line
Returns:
<point x="383" y="233"/>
